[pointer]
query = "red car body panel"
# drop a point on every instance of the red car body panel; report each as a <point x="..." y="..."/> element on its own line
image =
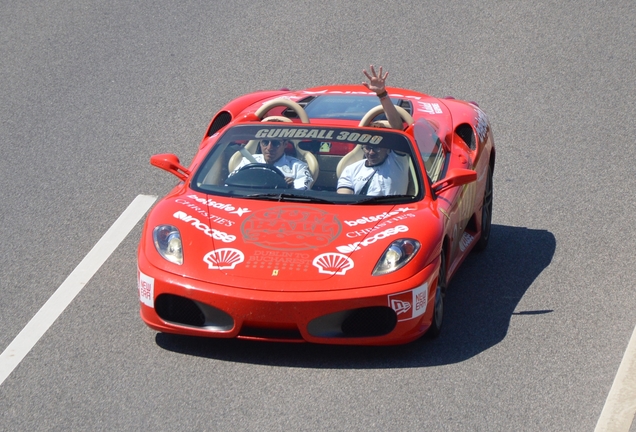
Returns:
<point x="303" y="271"/>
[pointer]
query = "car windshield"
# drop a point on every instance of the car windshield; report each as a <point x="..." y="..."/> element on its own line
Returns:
<point x="299" y="162"/>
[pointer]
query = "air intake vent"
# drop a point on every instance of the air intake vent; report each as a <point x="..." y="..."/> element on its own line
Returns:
<point x="371" y="321"/>
<point x="407" y="105"/>
<point x="290" y="113"/>
<point x="220" y="121"/>
<point x="363" y="322"/>
<point x="179" y="310"/>
<point x="465" y="132"/>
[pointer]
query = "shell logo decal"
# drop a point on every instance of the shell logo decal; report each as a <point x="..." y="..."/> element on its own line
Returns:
<point x="224" y="259"/>
<point x="333" y="263"/>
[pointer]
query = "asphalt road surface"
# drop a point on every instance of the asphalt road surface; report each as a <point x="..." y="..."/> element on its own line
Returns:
<point x="536" y="327"/>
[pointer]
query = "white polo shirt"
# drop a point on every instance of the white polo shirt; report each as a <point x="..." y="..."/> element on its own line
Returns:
<point x="289" y="166"/>
<point x="389" y="178"/>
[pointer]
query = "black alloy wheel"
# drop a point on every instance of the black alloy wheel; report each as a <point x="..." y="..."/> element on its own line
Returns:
<point x="440" y="292"/>
<point x="486" y="214"/>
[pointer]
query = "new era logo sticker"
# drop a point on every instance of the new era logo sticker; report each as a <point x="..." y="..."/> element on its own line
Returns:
<point x="409" y="304"/>
<point x="146" y="287"/>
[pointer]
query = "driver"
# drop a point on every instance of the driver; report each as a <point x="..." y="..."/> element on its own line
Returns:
<point x="296" y="172"/>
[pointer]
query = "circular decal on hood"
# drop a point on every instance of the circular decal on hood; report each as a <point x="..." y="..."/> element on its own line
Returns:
<point x="291" y="228"/>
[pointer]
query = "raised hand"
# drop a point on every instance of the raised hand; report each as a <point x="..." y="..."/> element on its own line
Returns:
<point x="376" y="80"/>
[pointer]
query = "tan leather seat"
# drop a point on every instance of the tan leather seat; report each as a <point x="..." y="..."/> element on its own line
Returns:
<point x="352" y="157"/>
<point x="311" y="161"/>
<point x="357" y="154"/>
<point x="237" y="157"/>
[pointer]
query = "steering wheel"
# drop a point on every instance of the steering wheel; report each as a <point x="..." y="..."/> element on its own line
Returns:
<point x="258" y="176"/>
<point x="375" y="111"/>
<point x="282" y="102"/>
<point x="263" y="166"/>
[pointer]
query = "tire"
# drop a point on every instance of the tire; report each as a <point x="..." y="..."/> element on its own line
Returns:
<point x="438" y="308"/>
<point x="486" y="214"/>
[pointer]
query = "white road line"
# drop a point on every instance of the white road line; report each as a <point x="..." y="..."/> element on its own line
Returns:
<point x="620" y="405"/>
<point x="62" y="297"/>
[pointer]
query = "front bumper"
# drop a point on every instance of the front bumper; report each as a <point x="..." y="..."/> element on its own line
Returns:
<point x="380" y="315"/>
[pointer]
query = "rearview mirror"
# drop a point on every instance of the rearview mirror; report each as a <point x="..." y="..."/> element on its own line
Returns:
<point x="455" y="177"/>
<point x="170" y="163"/>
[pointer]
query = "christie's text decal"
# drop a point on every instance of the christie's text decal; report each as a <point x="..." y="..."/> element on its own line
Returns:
<point x="212" y="218"/>
<point x="291" y="228"/>
<point x="224" y="259"/>
<point x="376" y="218"/>
<point x="372" y="239"/>
<point x="410" y="304"/>
<point x="210" y="232"/>
<point x="220" y="206"/>
<point x="385" y="222"/>
<point x="333" y="263"/>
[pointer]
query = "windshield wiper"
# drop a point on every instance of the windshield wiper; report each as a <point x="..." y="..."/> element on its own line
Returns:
<point x="288" y="197"/>
<point x="388" y="199"/>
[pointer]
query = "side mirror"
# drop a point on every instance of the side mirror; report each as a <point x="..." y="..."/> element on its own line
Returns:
<point x="170" y="163"/>
<point x="455" y="177"/>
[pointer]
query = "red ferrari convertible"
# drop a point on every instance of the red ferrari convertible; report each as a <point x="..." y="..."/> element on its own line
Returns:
<point x="236" y="251"/>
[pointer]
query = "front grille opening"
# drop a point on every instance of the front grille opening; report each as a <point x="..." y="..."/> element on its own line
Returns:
<point x="183" y="311"/>
<point x="251" y="331"/>
<point x="179" y="310"/>
<point x="372" y="321"/>
<point x="362" y="322"/>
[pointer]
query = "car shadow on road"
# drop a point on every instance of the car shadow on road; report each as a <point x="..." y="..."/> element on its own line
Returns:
<point x="481" y="299"/>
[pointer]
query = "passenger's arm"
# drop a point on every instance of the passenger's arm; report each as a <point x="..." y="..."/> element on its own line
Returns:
<point x="377" y="84"/>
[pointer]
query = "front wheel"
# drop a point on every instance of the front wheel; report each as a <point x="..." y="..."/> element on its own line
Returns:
<point x="438" y="308"/>
<point x="486" y="214"/>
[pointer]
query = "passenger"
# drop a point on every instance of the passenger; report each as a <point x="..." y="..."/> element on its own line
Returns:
<point x="382" y="171"/>
<point x="296" y="172"/>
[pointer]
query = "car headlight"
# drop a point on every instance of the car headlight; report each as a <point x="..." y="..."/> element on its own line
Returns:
<point x="396" y="256"/>
<point x="168" y="243"/>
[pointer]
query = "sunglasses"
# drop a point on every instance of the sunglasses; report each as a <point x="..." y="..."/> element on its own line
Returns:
<point x="368" y="148"/>
<point x="275" y="144"/>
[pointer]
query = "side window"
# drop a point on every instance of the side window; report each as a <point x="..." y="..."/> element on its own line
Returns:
<point x="431" y="149"/>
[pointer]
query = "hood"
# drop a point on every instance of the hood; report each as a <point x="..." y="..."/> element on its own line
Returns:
<point x="261" y="244"/>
